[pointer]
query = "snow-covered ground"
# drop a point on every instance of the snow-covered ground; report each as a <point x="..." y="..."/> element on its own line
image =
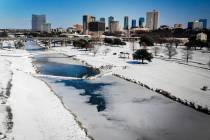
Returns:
<point x="199" y="58"/>
<point x="132" y="112"/>
<point x="37" y="113"/>
<point x="5" y="82"/>
<point x="182" y="81"/>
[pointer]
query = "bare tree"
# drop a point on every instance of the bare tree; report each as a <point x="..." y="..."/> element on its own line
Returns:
<point x="156" y="50"/>
<point x="106" y="51"/>
<point x="170" y="51"/>
<point x="1" y="45"/>
<point x="95" y="50"/>
<point x="187" y="54"/>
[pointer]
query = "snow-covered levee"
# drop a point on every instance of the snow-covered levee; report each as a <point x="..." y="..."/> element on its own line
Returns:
<point x="35" y="111"/>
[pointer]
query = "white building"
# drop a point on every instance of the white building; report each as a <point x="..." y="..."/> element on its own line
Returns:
<point x="201" y="36"/>
<point x="152" y="20"/>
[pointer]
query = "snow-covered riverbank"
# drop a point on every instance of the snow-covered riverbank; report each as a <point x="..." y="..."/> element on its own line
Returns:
<point x="36" y="112"/>
<point x="182" y="81"/>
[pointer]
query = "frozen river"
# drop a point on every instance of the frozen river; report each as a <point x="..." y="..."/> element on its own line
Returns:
<point x="114" y="109"/>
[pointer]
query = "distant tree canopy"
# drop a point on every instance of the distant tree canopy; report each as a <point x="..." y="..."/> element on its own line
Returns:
<point x="117" y="34"/>
<point x="170" y="33"/>
<point x="115" y="41"/>
<point x="193" y="43"/>
<point x="3" y="34"/>
<point x="142" y="54"/>
<point x="82" y="44"/>
<point x="146" y="41"/>
<point x="44" y="34"/>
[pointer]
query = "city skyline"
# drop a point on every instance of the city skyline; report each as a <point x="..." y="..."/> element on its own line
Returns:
<point x="64" y="13"/>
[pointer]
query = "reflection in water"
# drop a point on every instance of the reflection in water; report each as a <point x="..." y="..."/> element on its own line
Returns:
<point x="67" y="70"/>
<point x="61" y="65"/>
<point x="90" y="89"/>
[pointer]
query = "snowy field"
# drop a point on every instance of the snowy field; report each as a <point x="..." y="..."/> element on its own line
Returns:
<point x="35" y="111"/>
<point x="182" y="81"/>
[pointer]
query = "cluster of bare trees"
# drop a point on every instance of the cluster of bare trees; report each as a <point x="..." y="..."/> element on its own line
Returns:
<point x="170" y="50"/>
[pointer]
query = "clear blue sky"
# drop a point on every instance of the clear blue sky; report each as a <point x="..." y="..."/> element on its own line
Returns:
<point x="64" y="13"/>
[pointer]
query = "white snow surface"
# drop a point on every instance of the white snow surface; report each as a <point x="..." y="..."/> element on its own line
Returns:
<point x="182" y="81"/>
<point x="37" y="112"/>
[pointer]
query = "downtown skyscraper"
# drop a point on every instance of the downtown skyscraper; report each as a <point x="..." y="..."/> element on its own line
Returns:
<point x="126" y="23"/>
<point x="133" y="25"/>
<point x="39" y="24"/>
<point x="141" y="22"/>
<point x="86" y="20"/>
<point x="110" y="20"/>
<point x="152" y="20"/>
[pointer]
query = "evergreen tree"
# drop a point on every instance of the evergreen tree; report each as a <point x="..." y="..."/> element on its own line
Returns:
<point x="142" y="55"/>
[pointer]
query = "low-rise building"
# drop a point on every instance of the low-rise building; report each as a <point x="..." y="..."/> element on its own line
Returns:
<point x="114" y="26"/>
<point x="46" y="27"/>
<point x="78" y="28"/>
<point x="201" y="36"/>
<point x="178" y="26"/>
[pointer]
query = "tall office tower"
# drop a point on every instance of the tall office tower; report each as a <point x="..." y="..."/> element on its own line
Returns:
<point x="37" y="22"/>
<point x="114" y="26"/>
<point x="204" y="21"/>
<point x="141" y="22"/>
<point x="152" y="21"/>
<point x="133" y="23"/>
<point x="103" y="20"/>
<point x="126" y="23"/>
<point x="86" y="20"/>
<point x="197" y="25"/>
<point x="110" y="19"/>
<point x="190" y="25"/>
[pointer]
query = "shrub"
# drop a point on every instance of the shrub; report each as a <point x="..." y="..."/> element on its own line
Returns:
<point x="108" y="41"/>
<point x="83" y="44"/>
<point x="115" y="41"/>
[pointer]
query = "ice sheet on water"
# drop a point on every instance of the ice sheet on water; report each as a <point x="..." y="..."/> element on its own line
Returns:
<point x="132" y="112"/>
